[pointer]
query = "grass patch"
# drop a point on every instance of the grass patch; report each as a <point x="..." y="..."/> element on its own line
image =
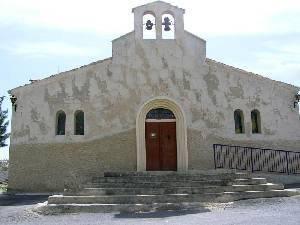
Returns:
<point x="3" y="188"/>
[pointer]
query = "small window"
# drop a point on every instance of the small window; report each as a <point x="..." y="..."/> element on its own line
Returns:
<point x="160" y="113"/>
<point x="60" y="123"/>
<point x="239" y="121"/>
<point x="149" y="31"/>
<point x="79" y="123"/>
<point x="256" y="123"/>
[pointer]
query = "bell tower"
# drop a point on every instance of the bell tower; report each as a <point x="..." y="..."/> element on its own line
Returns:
<point x="164" y="19"/>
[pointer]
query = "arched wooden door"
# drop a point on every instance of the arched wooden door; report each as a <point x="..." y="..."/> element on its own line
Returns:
<point x="161" y="145"/>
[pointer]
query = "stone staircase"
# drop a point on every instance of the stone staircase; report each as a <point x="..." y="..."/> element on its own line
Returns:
<point x="146" y="191"/>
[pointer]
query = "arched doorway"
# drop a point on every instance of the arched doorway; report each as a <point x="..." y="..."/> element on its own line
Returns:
<point x="180" y="124"/>
<point x="160" y="135"/>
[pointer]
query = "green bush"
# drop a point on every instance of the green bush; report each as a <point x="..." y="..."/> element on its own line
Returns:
<point x="3" y="165"/>
<point x="3" y="188"/>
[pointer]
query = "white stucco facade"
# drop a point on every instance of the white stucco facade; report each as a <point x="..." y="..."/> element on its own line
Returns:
<point x="112" y="93"/>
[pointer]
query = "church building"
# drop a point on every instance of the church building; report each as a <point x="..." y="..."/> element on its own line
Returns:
<point x="157" y="104"/>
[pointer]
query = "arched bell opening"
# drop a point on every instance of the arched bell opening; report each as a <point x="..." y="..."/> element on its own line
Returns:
<point x="168" y="26"/>
<point x="149" y="31"/>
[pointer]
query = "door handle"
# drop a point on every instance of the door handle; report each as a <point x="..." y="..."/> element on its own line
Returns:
<point x="153" y="135"/>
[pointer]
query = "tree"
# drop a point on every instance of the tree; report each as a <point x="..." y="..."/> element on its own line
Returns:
<point x="3" y="125"/>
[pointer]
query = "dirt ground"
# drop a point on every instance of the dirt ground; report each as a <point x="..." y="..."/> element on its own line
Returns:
<point x="281" y="211"/>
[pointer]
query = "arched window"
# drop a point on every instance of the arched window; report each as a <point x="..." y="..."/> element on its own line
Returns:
<point x="60" y="123"/>
<point x="79" y="122"/>
<point x="160" y="113"/>
<point x="168" y="31"/>
<point x="239" y="121"/>
<point x="256" y="123"/>
<point x="149" y="31"/>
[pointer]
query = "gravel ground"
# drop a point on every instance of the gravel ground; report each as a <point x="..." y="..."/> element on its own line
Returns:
<point x="281" y="211"/>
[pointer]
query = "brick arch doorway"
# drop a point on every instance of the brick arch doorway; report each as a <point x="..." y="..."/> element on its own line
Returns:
<point x="160" y="135"/>
<point x="181" y="131"/>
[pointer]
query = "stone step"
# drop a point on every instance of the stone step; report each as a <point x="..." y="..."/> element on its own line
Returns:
<point x="142" y="179"/>
<point x="165" y="178"/>
<point x="146" y="191"/>
<point x="150" y="207"/>
<point x="170" y="198"/>
<point x="128" y="208"/>
<point x="199" y="183"/>
<point x="175" y="173"/>
<point x="176" y="190"/>
<point x="138" y="184"/>
<point x="254" y="180"/>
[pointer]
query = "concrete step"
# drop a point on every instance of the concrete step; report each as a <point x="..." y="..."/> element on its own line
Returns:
<point x="176" y="190"/>
<point x="106" y="208"/>
<point x="199" y="206"/>
<point x="142" y="191"/>
<point x="176" y="173"/>
<point x="255" y="180"/>
<point x="179" y="177"/>
<point x="198" y="183"/>
<point x="142" y="179"/>
<point x="170" y="198"/>
<point x="145" y="184"/>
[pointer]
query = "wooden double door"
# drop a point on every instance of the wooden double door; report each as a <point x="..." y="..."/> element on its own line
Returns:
<point x="161" y="146"/>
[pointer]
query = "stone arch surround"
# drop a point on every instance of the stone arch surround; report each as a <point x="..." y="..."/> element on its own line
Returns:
<point x="181" y="131"/>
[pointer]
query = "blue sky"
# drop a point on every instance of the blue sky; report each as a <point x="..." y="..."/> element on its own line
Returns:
<point x="40" y="38"/>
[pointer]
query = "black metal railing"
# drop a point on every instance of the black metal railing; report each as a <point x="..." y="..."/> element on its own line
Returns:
<point x="256" y="159"/>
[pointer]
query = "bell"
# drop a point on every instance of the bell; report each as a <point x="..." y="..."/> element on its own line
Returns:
<point x="167" y="24"/>
<point x="149" y="25"/>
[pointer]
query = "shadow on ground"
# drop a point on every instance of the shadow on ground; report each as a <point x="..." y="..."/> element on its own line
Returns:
<point x="295" y="185"/>
<point x="15" y="200"/>
<point x="160" y="214"/>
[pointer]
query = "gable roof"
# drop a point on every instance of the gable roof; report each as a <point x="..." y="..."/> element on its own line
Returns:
<point x="255" y="75"/>
<point x="159" y="3"/>
<point x="58" y="74"/>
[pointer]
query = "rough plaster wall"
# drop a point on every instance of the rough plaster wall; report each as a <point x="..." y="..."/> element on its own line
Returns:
<point x="208" y="91"/>
<point x="112" y="91"/>
<point x="48" y="167"/>
<point x="201" y="151"/>
<point x="229" y="89"/>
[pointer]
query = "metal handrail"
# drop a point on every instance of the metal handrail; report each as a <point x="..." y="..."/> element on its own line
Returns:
<point x="256" y="159"/>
